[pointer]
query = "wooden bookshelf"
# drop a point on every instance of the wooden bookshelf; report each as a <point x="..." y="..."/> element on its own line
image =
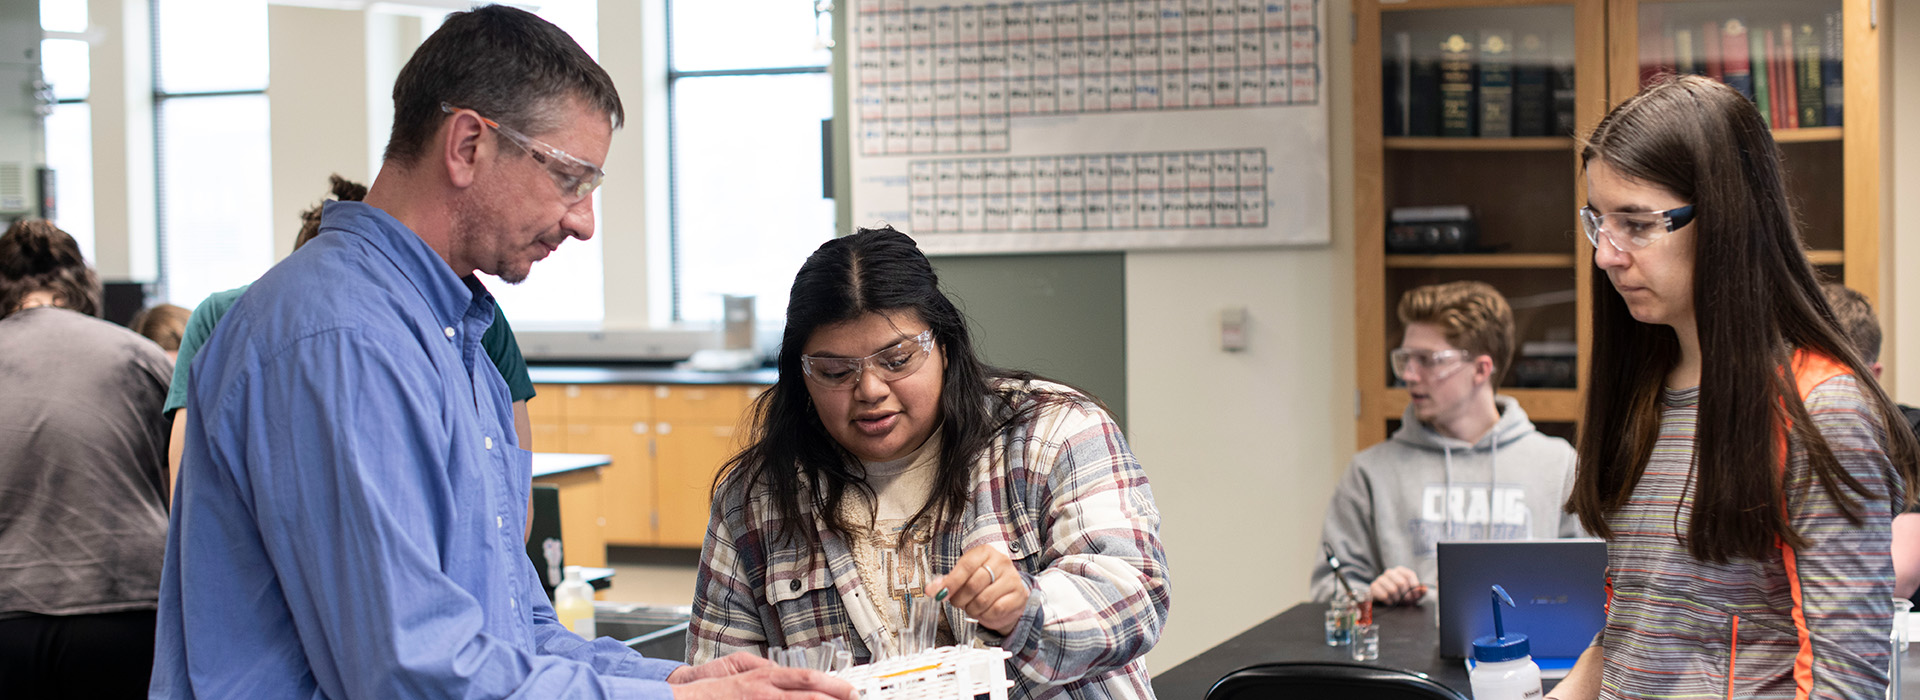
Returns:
<point x="1842" y="219"/>
<point x="1827" y="257"/>
<point x="1441" y="143"/>
<point x="1809" y="134"/>
<point x="1493" y="261"/>
<point x="1555" y="405"/>
<point x="1523" y="190"/>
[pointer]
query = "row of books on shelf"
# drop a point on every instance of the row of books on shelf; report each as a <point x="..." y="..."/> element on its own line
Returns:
<point x="1486" y="83"/>
<point x="1789" y="67"/>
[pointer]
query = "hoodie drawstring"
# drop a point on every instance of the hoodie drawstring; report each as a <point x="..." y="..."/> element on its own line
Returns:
<point x="1493" y="477"/>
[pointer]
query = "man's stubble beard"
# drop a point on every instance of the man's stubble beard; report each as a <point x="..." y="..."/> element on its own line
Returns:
<point x="470" y="217"/>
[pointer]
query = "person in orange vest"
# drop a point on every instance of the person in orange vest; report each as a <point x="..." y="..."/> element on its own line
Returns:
<point x="1740" y="460"/>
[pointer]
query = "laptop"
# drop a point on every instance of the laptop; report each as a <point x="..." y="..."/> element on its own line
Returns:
<point x="1558" y="586"/>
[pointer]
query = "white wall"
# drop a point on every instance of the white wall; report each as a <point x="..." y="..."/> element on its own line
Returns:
<point x="1900" y="297"/>
<point x="124" y="217"/>
<point x="317" y="92"/>
<point x="1243" y="449"/>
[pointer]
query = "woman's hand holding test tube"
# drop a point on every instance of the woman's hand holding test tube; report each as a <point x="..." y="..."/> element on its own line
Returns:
<point x="987" y="586"/>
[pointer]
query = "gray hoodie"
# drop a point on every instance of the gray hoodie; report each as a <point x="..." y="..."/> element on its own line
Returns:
<point x="1403" y="495"/>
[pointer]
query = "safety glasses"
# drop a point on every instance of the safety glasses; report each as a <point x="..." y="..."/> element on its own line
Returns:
<point x="1432" y="365"/>
<point x="891" y="364"/>
<point x="1629" y="231"/>
<point x="575" y="177"/>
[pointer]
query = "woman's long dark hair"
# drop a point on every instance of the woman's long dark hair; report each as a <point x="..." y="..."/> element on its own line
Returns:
<point x="36" y="256"/>
<point x="872" y="271"/>
<point x="1756" y="299"/>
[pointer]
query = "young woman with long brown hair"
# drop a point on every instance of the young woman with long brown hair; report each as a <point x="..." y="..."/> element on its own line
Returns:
<point x="1736" y="454"/>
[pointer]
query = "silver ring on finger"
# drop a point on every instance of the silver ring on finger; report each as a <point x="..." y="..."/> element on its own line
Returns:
<point x="991" y="578"/>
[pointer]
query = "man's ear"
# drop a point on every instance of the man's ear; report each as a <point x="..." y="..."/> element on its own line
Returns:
<point x="460" y="148"/>
<point x="1482" y="369"/>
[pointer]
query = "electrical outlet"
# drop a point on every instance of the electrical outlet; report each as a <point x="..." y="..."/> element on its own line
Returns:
<point x="1233" y="329"/>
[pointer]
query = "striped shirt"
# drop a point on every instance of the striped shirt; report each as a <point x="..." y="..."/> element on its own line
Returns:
<point x="1678" y="627"/>
<point x="1060" y="493"/>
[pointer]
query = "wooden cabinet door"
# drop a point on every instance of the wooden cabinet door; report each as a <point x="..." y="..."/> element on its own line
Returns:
<point x="627" y="483"/>
<point x="689" y="454"/>
<point x="607" y="402"/>
<point x="720" y="405"/>
<point x="582" y="531"/>
<point x="548" y="404"/>
<point x="547" y="437"/>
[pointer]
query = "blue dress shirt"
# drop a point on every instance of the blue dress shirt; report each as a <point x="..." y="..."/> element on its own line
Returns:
<point x="348" y="520"/>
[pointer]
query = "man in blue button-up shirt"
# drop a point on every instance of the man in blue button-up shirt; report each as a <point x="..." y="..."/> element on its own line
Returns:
<point x="348" y="519"/>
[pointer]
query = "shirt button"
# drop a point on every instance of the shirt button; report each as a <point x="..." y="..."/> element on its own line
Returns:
<point x="449" y="331"/>
<point x="489" y="441"/>
<point x="794" y="586"/>
<point x="499" y="521"/>
<point x="514" y="604"/>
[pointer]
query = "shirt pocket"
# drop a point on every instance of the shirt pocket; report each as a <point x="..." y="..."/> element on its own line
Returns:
<point x="1014" y="535"/>
<point x="804" y="603"/>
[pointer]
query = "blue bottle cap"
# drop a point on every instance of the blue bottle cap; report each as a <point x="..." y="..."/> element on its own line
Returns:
<point x="1492" y="649"/>
<point x="1500" y="646"/>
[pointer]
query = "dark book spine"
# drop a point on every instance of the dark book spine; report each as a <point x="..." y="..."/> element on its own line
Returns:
<point x="1496" y="83"/>
<point x="1762" y="80"/>
<point x="1456" y="86"/>
<point x="1806" y="52"/>
<point x="1560" y="82"/>
<point x="1393" y="88"/>
<point x="1733" y="44"/>
<point x="1789" y="78"/>
<point x="1830" y="73"/>
<point x="1532" y="100"/>
<point x="1423" y="87"/>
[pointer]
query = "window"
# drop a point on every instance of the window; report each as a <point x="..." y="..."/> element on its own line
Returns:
<point x="210" y="113"/>
<point x="568" y="289"/>
<point x="747" y="87"/>
<point x="69" y="138"/>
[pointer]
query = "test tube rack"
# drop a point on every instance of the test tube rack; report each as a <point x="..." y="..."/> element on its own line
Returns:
<point x="943" y="673"/>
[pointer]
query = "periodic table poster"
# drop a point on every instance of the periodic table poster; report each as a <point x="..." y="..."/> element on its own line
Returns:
<point x="1077" y="125"/>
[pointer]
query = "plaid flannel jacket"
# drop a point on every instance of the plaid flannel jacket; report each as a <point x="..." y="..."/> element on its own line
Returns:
<point x="1060" y="493"/>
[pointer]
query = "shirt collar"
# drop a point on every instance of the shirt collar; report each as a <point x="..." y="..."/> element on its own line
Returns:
<point x="450" y="297"/>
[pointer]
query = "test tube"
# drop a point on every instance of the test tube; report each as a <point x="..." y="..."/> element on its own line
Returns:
<point x="967" y="632"/>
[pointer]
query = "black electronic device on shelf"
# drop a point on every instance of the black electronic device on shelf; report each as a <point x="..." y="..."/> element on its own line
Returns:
<point x="1432" y="230"/>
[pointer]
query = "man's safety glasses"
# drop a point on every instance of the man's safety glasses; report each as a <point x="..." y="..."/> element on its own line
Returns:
<point x="575" y="177"/>
<point x="1432" y="365"/>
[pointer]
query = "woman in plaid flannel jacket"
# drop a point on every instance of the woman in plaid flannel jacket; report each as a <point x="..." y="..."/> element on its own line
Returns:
<point x="1036" y="520"/>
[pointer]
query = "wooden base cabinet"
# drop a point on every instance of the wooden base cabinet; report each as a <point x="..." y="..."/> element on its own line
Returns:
<point x="667" y="443"/>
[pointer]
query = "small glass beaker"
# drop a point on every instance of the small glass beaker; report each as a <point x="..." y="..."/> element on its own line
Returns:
<point x="1366" y="642"/>
<point x="1340" y="617"/>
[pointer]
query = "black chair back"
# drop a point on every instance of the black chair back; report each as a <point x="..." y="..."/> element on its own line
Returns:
<point x="1309" y="680"/>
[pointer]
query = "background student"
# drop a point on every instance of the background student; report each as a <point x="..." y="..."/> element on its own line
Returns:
<point x="888" y="463"/>
<point x="83" y="515"/>
<point x="1464" y="465"/>
<point x="163" y="324"/>
<point x="1737" y="455"/>
<point x="1862" y="328"/>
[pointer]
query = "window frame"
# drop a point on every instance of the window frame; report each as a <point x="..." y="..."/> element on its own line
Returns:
<point x="674" y="76"/>
<point x="161" y="282"/>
